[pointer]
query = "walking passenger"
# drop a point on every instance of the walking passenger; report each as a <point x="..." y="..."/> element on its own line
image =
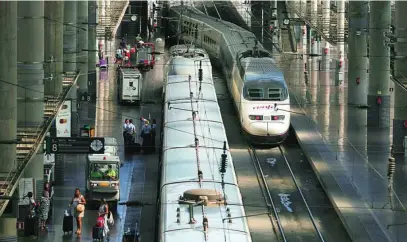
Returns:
<point x="78" y="203"/>
<point x="44" y="209"/>
<point x="104" y="213"/>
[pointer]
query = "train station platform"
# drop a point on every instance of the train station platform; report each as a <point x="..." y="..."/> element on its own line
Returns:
<point x="349" y="158"/>
<point x="138" y="176"/>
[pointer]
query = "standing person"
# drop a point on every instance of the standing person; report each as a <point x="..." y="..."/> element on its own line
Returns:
<point x="146" y="135"/>
<point x="125" y="126"/>
<point x="153" y="133"/>
<point x="104" y="212"/>
<point x="44" y="209"/>
<point x="78" y="202"/>
<point x="131" y="130"/>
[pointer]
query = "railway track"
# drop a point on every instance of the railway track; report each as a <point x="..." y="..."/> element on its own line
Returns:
<point x="292" y="218"/>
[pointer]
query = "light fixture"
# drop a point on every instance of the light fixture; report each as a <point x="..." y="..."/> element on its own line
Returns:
<point x="133" y="18"/>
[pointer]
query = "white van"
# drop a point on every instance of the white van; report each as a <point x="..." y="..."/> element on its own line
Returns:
<point x="129" y="84"/>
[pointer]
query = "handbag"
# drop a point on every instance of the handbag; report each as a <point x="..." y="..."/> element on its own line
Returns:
<point x="110" y="219"/>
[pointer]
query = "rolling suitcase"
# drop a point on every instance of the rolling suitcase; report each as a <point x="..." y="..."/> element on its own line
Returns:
<point x="97" y="233"/>
<point x="67" y="225"/>
<point x="30" y="226"/>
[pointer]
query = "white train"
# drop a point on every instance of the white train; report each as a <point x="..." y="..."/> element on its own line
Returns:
<point x="192" y="190"/>
<point x="257" y="86"/>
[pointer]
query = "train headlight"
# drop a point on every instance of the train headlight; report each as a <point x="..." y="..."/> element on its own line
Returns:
<point x="94" y="184"/>
<point x="277" y="117"/>
<point x="256" y="117"/>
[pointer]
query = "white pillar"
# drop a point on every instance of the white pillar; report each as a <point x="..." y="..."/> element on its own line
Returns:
<point x="400" y="102"/>
<point x="358" y="79"/>
<point x="326" y="16"/>
<point x="341" y="43"/>
<point x="379" y="65"/>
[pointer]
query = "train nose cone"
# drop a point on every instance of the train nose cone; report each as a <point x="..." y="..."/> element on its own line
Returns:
<point x="259" y="128"/>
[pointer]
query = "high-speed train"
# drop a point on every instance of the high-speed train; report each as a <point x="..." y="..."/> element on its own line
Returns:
<point x="256" y="84"/>
<point x="197" y="202"/>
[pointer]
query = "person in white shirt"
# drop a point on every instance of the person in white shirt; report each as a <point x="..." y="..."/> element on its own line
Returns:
<point x="131" y="129"/>
<point x="125" y="125"/>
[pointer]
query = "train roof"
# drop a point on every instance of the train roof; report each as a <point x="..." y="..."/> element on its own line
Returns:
<point x="129" y="70"/>
<point x="218" y="229"/>
<point x="184" y="66"/>
<point x="187" y="49"/>
<point x="236" y="37"/>
<point x="261" y="68"/>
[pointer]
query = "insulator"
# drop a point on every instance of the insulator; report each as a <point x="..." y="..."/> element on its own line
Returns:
<point x="391" y="167"/>
<point x="205" y="222"/>
<point x="189" y="77"/>
<point x="191" y="94"/>
<point x="200" y="174"/>
<point x="194" y="115"/>
<point x="196" y="142"/>
<point x="200" y="75"/>
<point x="224" y="146"/>
<point x="223" y="164"/>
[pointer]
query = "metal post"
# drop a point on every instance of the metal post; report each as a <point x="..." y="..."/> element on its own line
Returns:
<point x="8" y="91"/>
<point x="400" y="102"/>
<point x="379" y="65"/>
<point x="82" y="43"/>
<point x="341" y="43"/>
<point x="357" y="57"/>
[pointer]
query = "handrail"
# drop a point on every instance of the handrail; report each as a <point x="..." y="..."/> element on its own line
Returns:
<point x="12" y="184"/>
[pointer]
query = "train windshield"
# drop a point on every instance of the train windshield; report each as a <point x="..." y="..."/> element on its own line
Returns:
<point x="265" y="91"/>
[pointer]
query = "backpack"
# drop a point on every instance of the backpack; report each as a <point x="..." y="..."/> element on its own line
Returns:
<point x="100" y="222"/>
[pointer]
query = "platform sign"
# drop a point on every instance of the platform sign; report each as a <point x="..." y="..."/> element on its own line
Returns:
<point x="77" y="145"/>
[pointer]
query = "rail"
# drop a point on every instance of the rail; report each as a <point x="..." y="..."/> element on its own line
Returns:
<point x="11" y="181"/>
<point x="302" y="195"/>
<point x="266" y="192"/>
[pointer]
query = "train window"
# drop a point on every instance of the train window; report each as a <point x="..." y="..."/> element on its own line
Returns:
<point x="275" y="94"/>
<point x="256" y="93"/>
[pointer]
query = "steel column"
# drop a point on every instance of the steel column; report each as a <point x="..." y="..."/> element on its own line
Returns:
<point x="379" y="65"/>
<point x="54" y="18"/>
<point x="30" y="70"/>
<point x="93" y="47"/>
<point x="400" y="102"/>
<point x="8" y="84"/>
<point x="82" y="43"/>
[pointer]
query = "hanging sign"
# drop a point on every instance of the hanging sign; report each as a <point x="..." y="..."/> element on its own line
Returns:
<point x="63" y="120"/>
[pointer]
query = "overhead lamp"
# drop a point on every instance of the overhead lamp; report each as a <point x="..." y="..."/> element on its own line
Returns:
<point x="133" y="18"/>
<point x="286" y="21"/>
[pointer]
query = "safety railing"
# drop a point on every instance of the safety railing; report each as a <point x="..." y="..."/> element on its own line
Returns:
<point x="32" y="139"/>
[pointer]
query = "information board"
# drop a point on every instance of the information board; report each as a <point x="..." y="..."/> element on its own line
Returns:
<point x="76" y="145"/>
